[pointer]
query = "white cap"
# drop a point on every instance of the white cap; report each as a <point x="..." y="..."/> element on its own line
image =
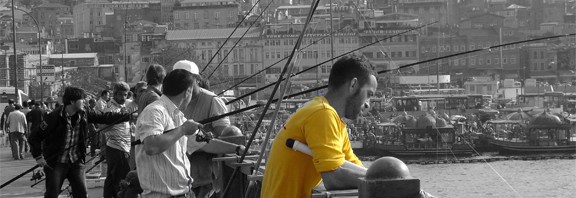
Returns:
<point x="188" y="66"/>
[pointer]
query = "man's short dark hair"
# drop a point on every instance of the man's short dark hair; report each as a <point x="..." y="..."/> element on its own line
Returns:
<point x="73" y="94"/>
<point x="120" y="86"/>
<point x="177" y="81"/>
<point x="349" y="67"/>
<point x="10" y="101"/>
<point x="105" y="92"/>
<point x="17" y="106"/>
<point x="155" y="74"/>
<point x="32" y="103"/>
<point x="24" y="104"/>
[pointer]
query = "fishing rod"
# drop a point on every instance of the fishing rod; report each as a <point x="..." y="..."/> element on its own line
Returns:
<point x="56" y="155"/>
<point x="411" y="64"/>
<point x="478" y="50"/>
<point x="264" y="69"/>
<point x="334" y="58"/>
<point x="229" y="36"/>
<point x="236" y="44"/>
<point x="286" y="70"/>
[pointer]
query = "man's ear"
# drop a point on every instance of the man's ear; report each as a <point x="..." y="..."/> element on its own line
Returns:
<point x="353" y="85"/>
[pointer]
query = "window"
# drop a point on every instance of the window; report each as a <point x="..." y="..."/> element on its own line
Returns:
<point x="480" y="61"/>
<point x="455" y="48"/>
<point x="472" y="61"/>
<point x="241" y="69"/>
<point x="496" y="60"/>
<point x="462" y="47"/>
<point x="456" y="62"/>
<point x="407" y="54"/>
<point x="505" y="61"/>
<point x="369" y="54"/>
<point x="462" y="62"/>
<point x="512" y="60"/>
<point x="488" y="61"/>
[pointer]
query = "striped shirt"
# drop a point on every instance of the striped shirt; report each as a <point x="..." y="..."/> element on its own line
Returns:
<point x="72" y="135"/>
<point x="167" y="173"/>
<point x="118" y="136"/>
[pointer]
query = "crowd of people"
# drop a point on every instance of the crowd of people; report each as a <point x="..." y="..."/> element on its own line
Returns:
<point x="138" y="131"/>
<point x="16" y="122"/>
<point x="156" y="142"/>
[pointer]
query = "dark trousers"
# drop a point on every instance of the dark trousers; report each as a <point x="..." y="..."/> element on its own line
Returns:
<point x="17" y="144"/>
<point x="55" y="176"/>
<point x="118" y="167"/>
<point x="202" y="171"/>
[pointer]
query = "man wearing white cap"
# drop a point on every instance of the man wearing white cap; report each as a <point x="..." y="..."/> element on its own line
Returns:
<point x="204" y="104"/>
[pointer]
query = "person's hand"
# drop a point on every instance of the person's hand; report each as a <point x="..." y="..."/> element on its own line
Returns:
<point x="190" y="127"/>
<point x="42" y="163"/>
<point x="240" y="149"/>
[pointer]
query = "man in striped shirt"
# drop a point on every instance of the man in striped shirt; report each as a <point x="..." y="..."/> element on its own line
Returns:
<point x="161" y="162"/>
<point x="117" y="142"/>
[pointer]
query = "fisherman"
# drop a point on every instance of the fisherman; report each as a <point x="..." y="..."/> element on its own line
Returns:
<point x="118" y="140"/>
<point x="154" y="77"/>
<point x="204" y="104"/>
<point x="58" y="145"/>
<point x="166" y="151"/>
<point x="319" y="124"/>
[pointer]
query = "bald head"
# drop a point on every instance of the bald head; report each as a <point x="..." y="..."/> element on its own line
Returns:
<point x="388" y="168"/>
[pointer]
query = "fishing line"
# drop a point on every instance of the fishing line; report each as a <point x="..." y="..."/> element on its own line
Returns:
<point x="264" y="69"/>
<point x="285" y="70"/>
<point x="236" y="44"/>
<point x="237" y="26"/>
<point x="56" y="155"/>
<point x="339" y="56"/>
<point x="493" y="169"/>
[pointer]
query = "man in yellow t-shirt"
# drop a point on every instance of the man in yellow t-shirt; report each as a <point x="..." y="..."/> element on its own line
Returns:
<point x="319" y="124"/>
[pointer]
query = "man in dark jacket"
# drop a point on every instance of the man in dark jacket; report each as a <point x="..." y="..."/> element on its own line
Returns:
<point x="63" y="135"/>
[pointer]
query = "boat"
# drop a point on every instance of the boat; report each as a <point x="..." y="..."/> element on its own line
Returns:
<point x="430" y="136"/>
<point x="547" y="133"/>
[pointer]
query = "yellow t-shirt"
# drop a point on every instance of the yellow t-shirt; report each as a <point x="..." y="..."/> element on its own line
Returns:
<point x="293" y="174"/>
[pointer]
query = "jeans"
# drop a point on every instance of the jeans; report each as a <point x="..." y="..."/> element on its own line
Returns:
<point x="55" y="176"/>
<point x="17" y="144"/>
<point x="118" y="167"/>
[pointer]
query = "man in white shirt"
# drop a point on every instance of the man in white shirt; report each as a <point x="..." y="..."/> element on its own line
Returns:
<point x="161" y="162"/>
<point x="17" y="127"/>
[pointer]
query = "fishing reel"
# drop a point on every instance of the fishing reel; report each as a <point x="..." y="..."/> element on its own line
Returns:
<point x="203" y="136"/>
<point x="37" y="175"/>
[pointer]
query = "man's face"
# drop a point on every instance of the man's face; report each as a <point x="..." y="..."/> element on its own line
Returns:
<point x="359" y="97"/>
<point x="121" y="96"/>
<point x="92" y="103"/>
<point x="187" y="99"/>
<point x="106" y="97"/>
<point x="78" y="104"/>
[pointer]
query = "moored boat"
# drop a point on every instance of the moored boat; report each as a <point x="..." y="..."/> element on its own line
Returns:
<point x="546" y="133"/>
<point x="427" y="137"/>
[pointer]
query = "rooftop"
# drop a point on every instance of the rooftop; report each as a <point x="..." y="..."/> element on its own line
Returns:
<point x="53" y="5"/>
<point x="73" y="55"/>
<point x="200" y="34"/>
